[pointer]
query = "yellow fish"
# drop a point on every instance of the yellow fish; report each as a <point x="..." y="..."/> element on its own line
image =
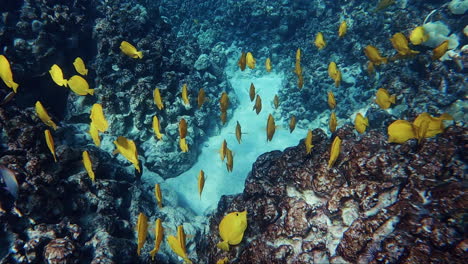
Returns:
<point x="258" y="104"/>
<point x="57" y="75"/>
<point x="129" y="50"/>
<point x="400" y="131"/>
<point x="157" y="128"/>
<point x="298" y="54"/>
<point x="229" y="160"/>
<point x="374" y="56"/>
<point x="361" y="123"/>
<point x="50" y="143"/>
<point x="292" y="124"/>
<point x="252" y="92"/>
<point x="384" y="99"/>
<point x="342" y="29"/>
<point x="231" y="229"/>
<point x="268" y="65"/>
<point x="183" y="145"/>
<point x="223" y="261"/>
<point x="201" y="97"/>
<point x="142" y="231"/>
<point x="88" y="165"/>
<point x="400" y="43"/>
<point x="98" y="119"/>
<point x="201" y="182"/>
<point x="250" y="60"/>
<point x="334" y="73"/>
<point x="158" y="195"/>
<point x="79" y="85"/>
<point x="80" y="66"/>
<point x="276" y="101"/>
<point x="308" y="142"/>
<point x="182" y="128"/>
<point x="370" y="68"/>
<point x="242" y="61"/>
<point x="383" y="4"/>
<point x="331" y="100"/>
<point x="297" y="67"/>
<point x="158" y="99"/>
<point x="94" y="133"/>
<point x="440" y="50"/>
<point x="334" y="151"/>
<point x="421" y="131"/>
<point x="332" y="123"/>
<point x="224" y="102"/>
<point x="271" y="127"/>
<point x="418" y="36"/>
<point x="158" y="236"/>
<point x="238" y="132"/>
<point x="222" y="150"/>
<point x="6" y="75"/>
<point x="320" y="41"/>
<point x="44" y="116"/>
<point x="435" y="124"/>
<point x="300" y="81"/>
<point x="128" y="149"/>
<point x="185" y="95"/>
<point x="223" y="117"/>
<point x="177" y="244"/>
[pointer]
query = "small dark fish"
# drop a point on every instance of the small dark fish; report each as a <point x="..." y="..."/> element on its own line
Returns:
<point x="7" y="98"/>
<point x="9" y="179"/>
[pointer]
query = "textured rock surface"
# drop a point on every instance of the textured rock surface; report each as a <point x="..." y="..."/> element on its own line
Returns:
<point x="380" y="203"/>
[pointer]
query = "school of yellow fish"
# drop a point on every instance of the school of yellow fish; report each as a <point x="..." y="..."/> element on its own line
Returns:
<point x="234" y="224"/>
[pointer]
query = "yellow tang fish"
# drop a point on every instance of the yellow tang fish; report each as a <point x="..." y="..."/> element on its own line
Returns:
<point x="80" y="66"/>
<point x="231" y="229"/>
<point x="94" y="133"/>
<point x="224" y="102"/>
<point x="292" y="124"/>
<point x="418" y="36"/>
<point x="50" y="143"/>
<point x="440" y="50"/>
<point x="158" y="195"/>
<point x="298" y="68"/>
<point x="331" y="100"/>
<point x="229" y="159"/>
<point x="6" y="75"/>
<point x="242" y="61"/>
<point x="252" y="92"/>
<point x="342" y="29"/>
<point x="182" y="128"/>
<point x="308" y="142"/>
<point x="185" y="95"/>
<point x="201" y="97"/>
<point x="258" y="104"/>
<point x="250" y="60"/>
<point x="129" y="50"/>
<point x="183" y="145"/>
<point x="384" y="99"/>
<point x="177" y="244"/>
<point x="222" y="150"/>
<point x="158" y="236"/>
<point x="57" y="75"/>
<point x="361" y="123"/>
<point x="201" y="182"/>
<point x="334" y="151"/>
<point x="223" y="117"/>
<point x="435" y="124"/>
<point x="44" y="116"/>
<point x="79" y="85"/>
<point x="98" y="119"/>
<point x="158" y="99"/>
<point x="276" y="101"/>
<point x="320" y="41"/>
<point x="334" y="73"/>
<point x="142" y="231"/>
<point x="400" y="43"/>
<point x="271" y="127"/>
<point x="374" y="56"/>
<point x="157" y="128"/>
<point x="238" y="132"/>
<point x="88" y="165"/>
<point x="400" y="131"/>
<point x="128" y="149"/>
<point x="268" y="65"/>
<point x="332" y="122"/>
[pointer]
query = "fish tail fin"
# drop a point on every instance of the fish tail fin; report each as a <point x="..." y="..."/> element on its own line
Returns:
<point x="14" y="86"/>
<point x="140" y="54"/>
<point x="446" y="116"/>
<point x="393" y="98"/>
<point x="86" y="72"/>
<point x="223" y="245"/>
<point x="159" y="204"/>
<point x="65" y="82"/>
<point x="91" y="91"/>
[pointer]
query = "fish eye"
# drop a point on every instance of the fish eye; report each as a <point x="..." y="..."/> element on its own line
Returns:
<point x="237" y="214"/>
